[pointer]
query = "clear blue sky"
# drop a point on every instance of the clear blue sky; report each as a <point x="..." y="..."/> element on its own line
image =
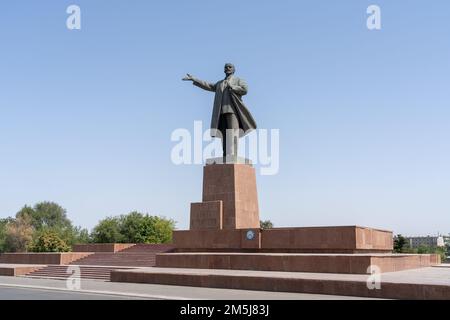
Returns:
<point x="86" y="116"/>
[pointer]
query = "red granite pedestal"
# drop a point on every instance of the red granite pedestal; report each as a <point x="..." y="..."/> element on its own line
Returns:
<point x="229" y="200"/>
<point x="226" y="248"/>
<point x="227" y="219"/>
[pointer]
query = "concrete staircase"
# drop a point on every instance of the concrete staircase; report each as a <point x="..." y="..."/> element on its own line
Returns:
<point x="139" y="255"/>
<point x="98" y="266"/>
<point x="149" y="248"/>
<point x="84" y="272"/>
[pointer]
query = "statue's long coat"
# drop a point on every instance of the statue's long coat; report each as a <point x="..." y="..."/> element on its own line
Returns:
<point x="239" y="89"/>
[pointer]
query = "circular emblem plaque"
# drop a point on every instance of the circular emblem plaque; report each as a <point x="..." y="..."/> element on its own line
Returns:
<point x="250" y="235"/>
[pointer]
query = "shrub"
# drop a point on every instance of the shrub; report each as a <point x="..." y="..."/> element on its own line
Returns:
<point x="49" y="241"/>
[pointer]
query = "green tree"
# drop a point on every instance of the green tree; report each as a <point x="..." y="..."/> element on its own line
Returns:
<point x="161" y="230"/>
<point x="136" y="227"/>
<point x="3" y="224"/>
<point x="46" y="215"/>
<point x="18" y="235"/>
<point x="267" y="224"/>
<point x="131" y="227"/>
<point x="107" y="231"/>
<point x="51" y="217"/>
<point x="80" y="235"/>
<point x="71" y="235"/>
<point x="399" y="243"/>
<point x="423" y="249"/>
<point x="442" y="251"/>
<point x="49" y="241"/>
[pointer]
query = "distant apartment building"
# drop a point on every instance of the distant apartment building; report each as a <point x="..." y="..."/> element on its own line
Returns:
<point x="428" y="241"/>
<point x="446" y="240"/>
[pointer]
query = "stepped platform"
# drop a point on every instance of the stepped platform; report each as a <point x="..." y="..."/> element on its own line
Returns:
<point x="292" y="262"/>
<point x="42" y="258"/>
<point x="15" y="270"/>
<point x="424" y="283"/>
<point x="82" y="272"/>
<point x="334" y="239"/>
<point x="101" y="247"/>
<point x="92" y="265"/>
<point x="139" y="255"/>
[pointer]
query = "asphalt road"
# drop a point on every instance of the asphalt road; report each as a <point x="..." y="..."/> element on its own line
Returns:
<point x="51" y="289"/>
<point x="8" y="293"/>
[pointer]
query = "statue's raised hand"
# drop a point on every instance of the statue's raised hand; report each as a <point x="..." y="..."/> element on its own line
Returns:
<point x="188" y="78"/>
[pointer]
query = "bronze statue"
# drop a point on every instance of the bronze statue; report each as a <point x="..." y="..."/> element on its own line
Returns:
<point x="230" y="119"/>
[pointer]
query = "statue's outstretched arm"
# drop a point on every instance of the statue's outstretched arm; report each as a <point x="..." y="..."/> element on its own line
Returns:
<point x="200" y="83"/>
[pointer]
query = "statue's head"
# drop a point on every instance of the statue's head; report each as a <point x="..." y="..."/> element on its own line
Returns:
<point x="229" y="69"/>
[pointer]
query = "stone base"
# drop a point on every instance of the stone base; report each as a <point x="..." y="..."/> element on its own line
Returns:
<point x="229" y="200"/>
<point x="42" y="258"/>
<point x="207" y="215"/>
<point x="319" y="263"/>
<point x="427" y="283"/>
<point x="347" y="239"/>
<point x="198" y="240"/>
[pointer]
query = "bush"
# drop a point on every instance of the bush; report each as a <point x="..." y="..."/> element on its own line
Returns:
<point x="433" y="250"/>
<point x="107" y="231"/>
<point x="267" y="224"/>
<point x="138" y="228"/>
<point x="134" y="227"/>
<point x="18" y="234"/>
<point x="400" y="244"/>
<point x="49" y="241"/>
<point x="427" y="250"/>
<point x="51" y="217"/>
<point x="3" y="224"/>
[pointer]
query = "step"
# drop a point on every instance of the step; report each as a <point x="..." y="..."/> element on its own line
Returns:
<point x="297" y="262"/>
<point x="335" y="239"/>
<point x="88" y="272"/>
<point x="69" y="274"/>
<point x="425" y="283"/>
<point x="66" y="276"/>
